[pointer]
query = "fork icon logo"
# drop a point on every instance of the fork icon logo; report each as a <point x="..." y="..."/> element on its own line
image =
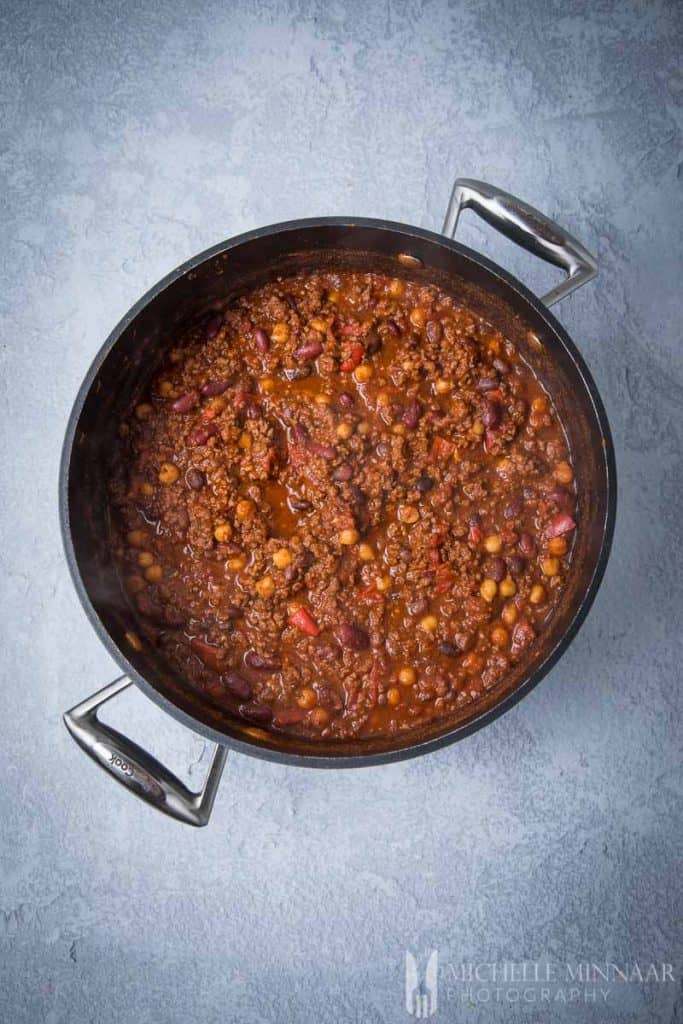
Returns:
<point x="421" y="994"/>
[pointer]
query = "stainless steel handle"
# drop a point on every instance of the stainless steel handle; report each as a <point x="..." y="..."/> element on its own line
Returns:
<point x="134" y="768"/>
<point x="528" y="227"/>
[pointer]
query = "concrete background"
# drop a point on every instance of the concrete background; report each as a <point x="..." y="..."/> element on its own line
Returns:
<point x="133" y="135"/>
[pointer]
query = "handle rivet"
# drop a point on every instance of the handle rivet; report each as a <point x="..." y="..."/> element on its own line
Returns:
<point x="409" y="261"/>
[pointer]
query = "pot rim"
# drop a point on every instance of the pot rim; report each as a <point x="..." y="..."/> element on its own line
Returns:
<point x="459" y="731"/>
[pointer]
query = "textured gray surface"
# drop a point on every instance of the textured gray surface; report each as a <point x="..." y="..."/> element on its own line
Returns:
<point x="133" y="135"/>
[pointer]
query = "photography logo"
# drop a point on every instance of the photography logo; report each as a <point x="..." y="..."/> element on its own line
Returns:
<point x="421" y="993"/>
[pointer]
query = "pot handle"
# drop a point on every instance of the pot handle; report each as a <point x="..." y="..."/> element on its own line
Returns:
<point x="134" y="768"/>
<point x="528" y="227"/>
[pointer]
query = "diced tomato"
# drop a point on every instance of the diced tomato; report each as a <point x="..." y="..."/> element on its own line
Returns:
<point x="444" y="578"/>
<point x="370" y="593"/>
<point x="353" y="358"/>
<point x="441" y="449"/>
<point x="304" y="621"/>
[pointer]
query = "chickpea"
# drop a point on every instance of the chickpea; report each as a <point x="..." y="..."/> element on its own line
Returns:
<point x="153" y="573"/>
<point x="393" y="696"/>
<point x="237" y="563"/>
<point x="319" y="325"/>
<point x="363" y="373"/>
<point x="540" y="404"/>
<point x="429" y="623"/>
<point x="383" y="583"/>
<point x="319" y="717"/>
<point x="558" y="546"/>
<point x="564" y="474"/>
<point x="408" y="514"/>
<point x="407" y="676"/>
<point x="499" y="636"/>
<point x="245" y="440"/>
<point x="133" y="640"/>
<point x="397" y="288"/>
<point x="280" y="333"/>
<point x="344" y="431"/>
<point x="418" y="317"/>
<point x="322" y="399"/>
<point x="145" y="559"/>
<point x="265" y="587"/>
<point x="473" y="663"/>
<point x="508" y="587"/>
<point x="441" y="386"/>
<point x="266" y="384"/>
<point x="175" y="355"/>
<point x="168" y="473"/>
<point x="333" y="296"/>
<point x="307" y="698"/>
<point x="509" y="614"/>
<point x="136" y="538"/>
<point x="165" y="388"/>
<point x="383" y="399"/>
<point x="365" y="553"/>
<point x="223" y="532"/>
<point x="135" y="583"/>
<point x="493" y="543"/>
<point x="550" y="566"/>
<point x="537" y="595"/>
<point x="488" y="589"/>
<point x="399" y="429"/>
<point x="363" y="428"/>
<point x="143" y="411"/>
<point x="245" y="508"/>
<point x="478" y="428"/>
<point x="348" y="537"/>
<point x="282" y="558"/>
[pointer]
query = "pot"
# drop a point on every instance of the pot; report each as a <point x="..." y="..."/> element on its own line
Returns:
<point x="132" y="353"/>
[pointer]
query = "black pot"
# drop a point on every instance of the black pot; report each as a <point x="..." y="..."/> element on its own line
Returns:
<point x="132" y="353"/>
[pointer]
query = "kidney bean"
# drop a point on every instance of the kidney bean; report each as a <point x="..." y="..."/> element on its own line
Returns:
<point x="236" y="685"/>
<point x="212" y="657"/>
<point x="202" y="434"/>
<point x="261" y="340"/>
<point x="513" y="509"/>
<point x="214" y="325"/>
<point x="174" y="617"/>
<point x="195" y="479"/>
<point x="323" y="451"/>
<point x="214" y="387"/>
<point x="300" y="504"/>
<point x="260" y="662"/>
<point x="392" y="327"/>
<point x="186" y="402"/>
<point x="342" y="473"/>
<point x="448" y="649"/>
<point x="419" y="606"/>
<point x="434" y="331"/>
<point x="329" y="698"/>
<point x="297" y="372"/>
<point x="488" y="384"/>
<point x="559" y="495"/>
<point x="373" y="343"/>
<point x="300" y="433"/>
<point x="526" y="544"/>
<point x="233" y="611"/>
<point x="559" y="525"/>
<point x="352" y="636"/>
<point x="522" y="635"/>
<point x="496" y="569"/>
<point x="290" y="716"/>
<point x="258" y="713"/>
<point x="463" y="641"/>
<point x="310" y="349"/>
<point x="515" y="564"/>
<point x="501" y="366"/>
<point x="491" y="414"/>
<point x="424" y="484"/>
<point x="346" y="400"/>
<point x="411" y="414"/>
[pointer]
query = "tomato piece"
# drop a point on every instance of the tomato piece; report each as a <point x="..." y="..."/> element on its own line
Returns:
<point x="355" y="354"/>
<point x="441" y="449"/>
<point x="304" y="621"/>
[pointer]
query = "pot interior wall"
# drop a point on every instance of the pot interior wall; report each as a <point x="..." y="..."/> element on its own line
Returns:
<point x="136" y="350"/>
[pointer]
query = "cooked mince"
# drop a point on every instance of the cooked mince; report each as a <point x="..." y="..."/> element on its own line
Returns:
<point x="344" y="506"/>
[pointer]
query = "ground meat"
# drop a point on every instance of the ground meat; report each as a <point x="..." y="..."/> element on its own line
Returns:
<point x="343" y="507"/>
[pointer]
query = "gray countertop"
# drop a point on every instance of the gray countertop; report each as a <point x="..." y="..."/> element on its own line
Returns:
<point x="134" y="135"/>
